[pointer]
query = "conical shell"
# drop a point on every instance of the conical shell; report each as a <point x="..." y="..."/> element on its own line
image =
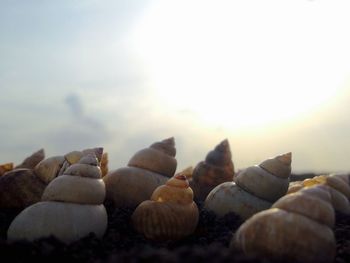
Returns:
<point x="269" y="180"/>
<point x="148" y="169"/>
<point x="298" y="228"/>
<point x="71" y="208"/>
<point x="171" y="213"/>
<point x="31" y="161"/>
<point x="80" y="184"/>
<point x="216" y="169"/>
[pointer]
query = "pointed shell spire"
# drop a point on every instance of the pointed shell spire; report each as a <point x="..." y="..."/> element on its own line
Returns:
<point x="216" y="169"/>
<point x="158" y="158"/>
<point x="31" y="161"/>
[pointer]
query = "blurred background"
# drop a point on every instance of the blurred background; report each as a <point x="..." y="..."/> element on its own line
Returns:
<point x="270" y="76"/>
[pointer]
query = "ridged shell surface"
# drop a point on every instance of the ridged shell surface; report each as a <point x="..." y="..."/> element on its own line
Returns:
<point x="298" y="228"/>
<point x="170" y="214"/>
<point x="71" y="207"/>
<point x="255" y="188"/>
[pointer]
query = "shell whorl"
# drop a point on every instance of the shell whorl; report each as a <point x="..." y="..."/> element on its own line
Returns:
<point x="158" y="158"/>
<point x="175" y="190"/>
<point x="268" y="180"/>
<point x="298" y="228"/>
<point x="81" y="183"/>
<point x="166" y="146"/>
<point x="171" y="212"/>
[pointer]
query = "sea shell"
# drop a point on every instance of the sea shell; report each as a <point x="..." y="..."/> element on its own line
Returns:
<point x="6" y="167"/>
<point x="338" y="187"/>
<point x="147" y="169"/>
<point x="170" y="214"/>
<point x="31" y="161"/>
<point x="76" y="197"/>
<point x="216" y="169"/>
<point x="255" y="188"/>
<point x="297" y="228"/>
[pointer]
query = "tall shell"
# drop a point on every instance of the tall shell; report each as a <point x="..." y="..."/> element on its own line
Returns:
<point x="31" y="161"/>
<point x="71" y="207"/>
<point x="255" y="188"/>
<point x="147" y="169"/>
<point x="297" y="229"/>
<point x="217" y="168"/>
<point x="171" y="214"/>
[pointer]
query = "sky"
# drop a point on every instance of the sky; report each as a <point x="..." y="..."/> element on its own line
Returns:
<point x="271" y="76"/>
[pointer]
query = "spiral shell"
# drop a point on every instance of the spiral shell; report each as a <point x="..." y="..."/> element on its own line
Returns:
<point x="147" y="169"/>
<point x="338" y="186"/>
<point x="170" y="214"/>
<point x="297" y="228"/>
<point x="77" y="197"/>
<point x="216" y="169"/>
<point x="254" y="189"/>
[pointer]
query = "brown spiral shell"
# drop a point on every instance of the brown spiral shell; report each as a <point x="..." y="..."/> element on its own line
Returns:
<point x="217" y="168"/>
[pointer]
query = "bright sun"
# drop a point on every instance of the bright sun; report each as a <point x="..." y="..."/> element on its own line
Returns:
<point x="235" y="70"/>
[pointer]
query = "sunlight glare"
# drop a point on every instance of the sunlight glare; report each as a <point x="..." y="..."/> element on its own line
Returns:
<point x="230" y="70"/>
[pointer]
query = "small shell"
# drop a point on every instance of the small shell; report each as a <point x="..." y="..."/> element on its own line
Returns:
<point x="5" y="168"/>
<point x="216" y="169"/>
<point x="31" y="161"/>
<point x="171" y="213"/>
<point x="298" y="228"/>
<point x="147" y="169"/>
